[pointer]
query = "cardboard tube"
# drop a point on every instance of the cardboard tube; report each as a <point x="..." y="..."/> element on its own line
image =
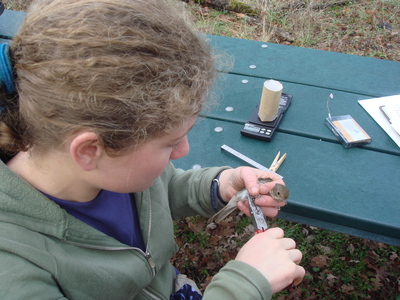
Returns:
<point x="270" y="98"/>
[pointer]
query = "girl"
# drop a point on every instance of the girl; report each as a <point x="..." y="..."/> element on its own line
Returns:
<point x="98" y="98"/>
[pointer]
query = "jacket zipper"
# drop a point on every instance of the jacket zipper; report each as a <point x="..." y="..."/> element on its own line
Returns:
<point x="146" y="254"/>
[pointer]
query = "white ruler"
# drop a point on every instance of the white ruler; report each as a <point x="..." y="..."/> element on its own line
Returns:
<point x="247" y="159"/>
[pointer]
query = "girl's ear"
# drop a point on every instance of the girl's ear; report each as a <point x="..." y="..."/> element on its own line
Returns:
<point x="86" y="150"/>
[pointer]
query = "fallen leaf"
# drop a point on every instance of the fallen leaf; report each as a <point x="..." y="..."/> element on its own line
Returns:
<point x="319" y="261"/>
<point x="347" y="288"/>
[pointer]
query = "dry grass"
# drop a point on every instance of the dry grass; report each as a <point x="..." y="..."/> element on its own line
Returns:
<point x="359" y="27"/>
<point x="17" y="4"/>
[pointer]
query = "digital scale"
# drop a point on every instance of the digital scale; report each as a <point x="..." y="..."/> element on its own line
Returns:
<point x="257" y="129"/>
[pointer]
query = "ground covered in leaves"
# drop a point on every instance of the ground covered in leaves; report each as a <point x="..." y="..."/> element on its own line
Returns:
<point x="337" y="266"/>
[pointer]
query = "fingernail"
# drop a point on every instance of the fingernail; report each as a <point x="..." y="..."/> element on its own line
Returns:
<point x="254" y="190"/>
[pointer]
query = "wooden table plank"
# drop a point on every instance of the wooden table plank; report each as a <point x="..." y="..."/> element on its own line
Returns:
<point x="342" y="189"/>
<point x="333" y="71"/>
<point x="10" y="22"/>
<point x="306" y="114"/>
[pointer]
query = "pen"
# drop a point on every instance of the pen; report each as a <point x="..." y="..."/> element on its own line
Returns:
<point x="394" y="122"/>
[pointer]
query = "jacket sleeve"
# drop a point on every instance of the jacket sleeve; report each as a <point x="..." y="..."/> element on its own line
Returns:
<point x="189" y="191"/>
<point x="238" y="280"/>
<point x="21" y="279"/>
<point x="189" y="194"/>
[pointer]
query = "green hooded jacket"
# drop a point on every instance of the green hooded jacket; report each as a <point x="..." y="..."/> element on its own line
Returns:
<point x="45" y="253"/>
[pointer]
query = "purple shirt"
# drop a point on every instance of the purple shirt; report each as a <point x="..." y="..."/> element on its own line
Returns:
<point x="112" y="213"/>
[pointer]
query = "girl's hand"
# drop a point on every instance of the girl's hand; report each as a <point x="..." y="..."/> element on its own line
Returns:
<point x="275" y="257"/>
<point x="233" y="180"/>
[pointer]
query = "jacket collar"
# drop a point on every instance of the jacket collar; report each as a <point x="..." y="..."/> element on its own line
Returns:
<point x="23" y="205"/>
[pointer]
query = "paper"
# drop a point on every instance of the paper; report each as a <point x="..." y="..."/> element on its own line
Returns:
<point x="372" y="107"/>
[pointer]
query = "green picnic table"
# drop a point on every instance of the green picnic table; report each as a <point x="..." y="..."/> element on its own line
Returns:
<point x="355" y="191"/>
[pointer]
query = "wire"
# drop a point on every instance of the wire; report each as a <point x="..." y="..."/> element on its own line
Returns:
<point x="327" y="105"/>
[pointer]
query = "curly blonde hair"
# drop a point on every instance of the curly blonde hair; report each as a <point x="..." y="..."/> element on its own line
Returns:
<point x="129" y="70"/>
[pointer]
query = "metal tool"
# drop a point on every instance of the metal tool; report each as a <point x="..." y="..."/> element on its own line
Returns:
<point x="259" y="220"/>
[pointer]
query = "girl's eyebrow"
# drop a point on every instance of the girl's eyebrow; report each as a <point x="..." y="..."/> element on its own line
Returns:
<point x="190" y="128"/>
<point x="177" y="139"/>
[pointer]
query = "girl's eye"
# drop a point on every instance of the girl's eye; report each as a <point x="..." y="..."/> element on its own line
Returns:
<point x="176" y="145"/>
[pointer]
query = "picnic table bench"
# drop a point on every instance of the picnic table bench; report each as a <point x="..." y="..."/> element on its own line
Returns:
<point x="354" y="191"/>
